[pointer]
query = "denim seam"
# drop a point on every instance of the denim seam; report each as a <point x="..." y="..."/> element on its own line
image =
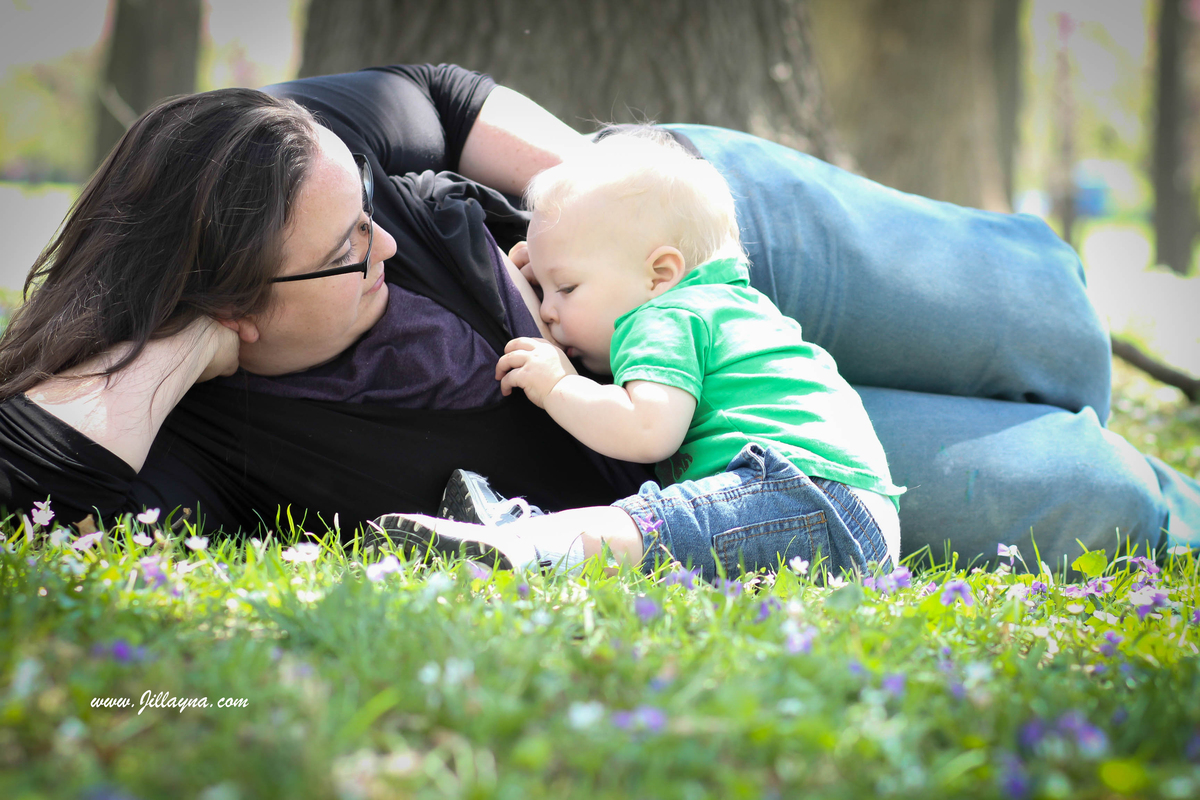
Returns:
<point x="861" y="516"/>
<point x="808" y="522"/>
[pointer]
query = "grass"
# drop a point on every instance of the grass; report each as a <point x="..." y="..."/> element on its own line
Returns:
<point x="362" y="682"/>
<point x="367" y="678"/>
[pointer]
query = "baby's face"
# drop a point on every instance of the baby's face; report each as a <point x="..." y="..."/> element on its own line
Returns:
<point x="591" y="270"/>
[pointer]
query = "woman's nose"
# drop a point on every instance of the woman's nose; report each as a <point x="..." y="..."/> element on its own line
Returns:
<point x="385" y="244"/>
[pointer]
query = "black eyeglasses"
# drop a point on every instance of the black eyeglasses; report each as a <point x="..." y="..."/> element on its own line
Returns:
<point x="368" y="182"/>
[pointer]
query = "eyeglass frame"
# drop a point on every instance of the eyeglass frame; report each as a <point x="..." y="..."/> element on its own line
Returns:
<point x="364" y="266"/>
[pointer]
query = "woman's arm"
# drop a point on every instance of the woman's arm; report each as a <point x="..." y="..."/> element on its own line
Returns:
<point x="512" y="140"/>
<point x="123" y="412"/>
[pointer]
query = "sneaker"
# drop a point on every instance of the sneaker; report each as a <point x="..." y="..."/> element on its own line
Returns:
<point x="421" y="536"/>
<point x="470" y="498"/>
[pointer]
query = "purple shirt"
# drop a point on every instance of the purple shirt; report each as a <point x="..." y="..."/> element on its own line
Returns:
<point x="419" y="355"/>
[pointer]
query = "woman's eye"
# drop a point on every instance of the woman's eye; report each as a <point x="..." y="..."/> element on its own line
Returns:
<point x="346" y="259"/>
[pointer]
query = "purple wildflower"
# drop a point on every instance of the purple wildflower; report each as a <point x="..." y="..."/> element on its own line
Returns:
<point x="523" y="591"/>
<point x="119" y="650"/>
<point x="645" y="608"/>
<point x="1196" y="617"/>
<point x="1090" y="740"/>
<point x="800" y="641"/>
<point x="642" y="718"/>
<point x="729" y="588"/>
<point x="929" y="589"/>
<point x="682" y="577"/>
<point x="1031" y="734"/>
<point x="1144" y="581"/>
<point x="1011" y="553"/>
<point x="1146" y="565"/>
<point x="766" y="607"/>
<point x="1039" y="587"/>
<point x="894" y="684"/>
<point x="1119" y="716"/>
<point x="478" y="571"/>
<point x="1014" y="780"/>
<point x="148" y="517"/>
<point x="1074" y="591"/>
<point x="1099" y="586"/>
<point x="1192" y="751"/>
<point x="152" y="571"/>
<point x="650" y="524"/>
<point x="958" y="690"/>
<point x="899" y="578"/>
<point x="1112" y="639"/>
<point x="1147" y="600"/>
<point x="855" y="668"/>
<point x="957" y="589"/>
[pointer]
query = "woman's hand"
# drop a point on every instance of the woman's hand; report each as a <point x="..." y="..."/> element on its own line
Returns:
<point x="124" y="411"/>
<point x="534" y="365"/>
<point x="220" y="340"/>
<point x="519" y="256"/>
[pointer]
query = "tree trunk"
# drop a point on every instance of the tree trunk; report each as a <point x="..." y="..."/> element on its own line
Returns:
<point x="914" y="90"/>
<point x="151" y="55"/>
<point x="1175" y="222"/>
<point x="745" y="65"/>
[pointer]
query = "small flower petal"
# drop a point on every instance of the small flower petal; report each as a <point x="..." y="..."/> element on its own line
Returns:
<point x="149" y="516"/>
<point x="387" y="565"/>
<point x="196" y="543"/>
<point x="301" y="553"/>
<point x="41" y="513"/>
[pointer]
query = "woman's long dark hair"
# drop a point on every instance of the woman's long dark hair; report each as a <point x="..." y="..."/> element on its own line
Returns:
<point x="185" y="218"/>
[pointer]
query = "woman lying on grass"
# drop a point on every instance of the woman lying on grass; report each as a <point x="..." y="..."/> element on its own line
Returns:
<point x="241" y="317"/>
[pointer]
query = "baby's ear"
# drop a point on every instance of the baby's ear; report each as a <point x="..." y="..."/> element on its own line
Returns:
<point x="667" y="268"/>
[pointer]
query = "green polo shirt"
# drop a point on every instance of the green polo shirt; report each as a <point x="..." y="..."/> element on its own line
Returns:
<point x="754" y="378"/>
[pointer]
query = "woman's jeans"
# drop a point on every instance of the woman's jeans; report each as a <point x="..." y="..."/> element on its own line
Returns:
<point x="978" y="355"/>
<point x="758" y="514"/>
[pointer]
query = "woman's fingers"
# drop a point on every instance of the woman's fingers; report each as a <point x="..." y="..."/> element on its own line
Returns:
<point x="224" y="341"/>
<point x="519" y="255"/>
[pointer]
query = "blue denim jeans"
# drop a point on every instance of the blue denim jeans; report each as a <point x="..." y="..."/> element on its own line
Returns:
<point x="989" y="370"/>
<point x="758" y="514"/>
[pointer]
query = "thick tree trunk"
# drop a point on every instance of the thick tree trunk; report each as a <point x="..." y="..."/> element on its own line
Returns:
<point x="152" y="55"/>
<point x="916" y="94"/>
<point x="745" y="65"/>
<point x="1175" y="222"/>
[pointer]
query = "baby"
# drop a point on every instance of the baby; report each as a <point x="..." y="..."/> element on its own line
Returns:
<point x="763" y="451"/>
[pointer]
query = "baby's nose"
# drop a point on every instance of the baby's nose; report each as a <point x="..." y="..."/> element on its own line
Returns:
<point x="549" y="315"/>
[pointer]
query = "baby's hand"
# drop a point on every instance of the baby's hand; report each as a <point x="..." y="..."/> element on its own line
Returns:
<point x="534" y="365"/>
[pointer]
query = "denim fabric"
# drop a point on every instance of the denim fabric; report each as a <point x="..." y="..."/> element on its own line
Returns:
<point x="910" y="293"/>
<point x="758" y="514"/>
<point x="975" y="332"/>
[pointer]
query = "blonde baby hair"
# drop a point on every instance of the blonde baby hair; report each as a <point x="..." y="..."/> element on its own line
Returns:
<point x="648" y="167"/>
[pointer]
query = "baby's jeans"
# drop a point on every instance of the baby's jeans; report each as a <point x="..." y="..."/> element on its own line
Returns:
<point x="760" y="513"/>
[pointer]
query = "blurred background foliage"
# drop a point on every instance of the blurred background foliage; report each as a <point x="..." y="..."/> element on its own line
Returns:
<point x="1084" y="112"/>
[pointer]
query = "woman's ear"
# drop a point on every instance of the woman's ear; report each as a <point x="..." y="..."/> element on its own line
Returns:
<point x="667" y="268"/>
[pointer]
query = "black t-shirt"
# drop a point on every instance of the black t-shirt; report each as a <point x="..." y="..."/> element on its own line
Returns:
<point x="243" y="457"/>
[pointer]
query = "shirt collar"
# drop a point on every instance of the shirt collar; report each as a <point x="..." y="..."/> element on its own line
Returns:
<point x="734" y="271"/>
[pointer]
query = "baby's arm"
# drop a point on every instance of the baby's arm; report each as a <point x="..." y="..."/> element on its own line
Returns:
<point x="641" y="421"/>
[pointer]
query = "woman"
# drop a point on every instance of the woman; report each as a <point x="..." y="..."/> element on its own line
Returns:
<point x="379" y="393"/>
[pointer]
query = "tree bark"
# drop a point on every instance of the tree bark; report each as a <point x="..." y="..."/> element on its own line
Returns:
<point x="746" y="65"/>
<point x="1175" y="222"/>
<point x="915" y="92"/>
<point x="151" y="55"/>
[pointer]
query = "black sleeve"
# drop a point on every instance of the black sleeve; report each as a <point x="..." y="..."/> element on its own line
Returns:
<point x="41" y="456"/>
<point x="412" y="118"/>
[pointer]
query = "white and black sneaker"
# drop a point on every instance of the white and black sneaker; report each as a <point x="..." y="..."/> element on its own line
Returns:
<point x="422" y="537"/>
<point x="470" y="498"/>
